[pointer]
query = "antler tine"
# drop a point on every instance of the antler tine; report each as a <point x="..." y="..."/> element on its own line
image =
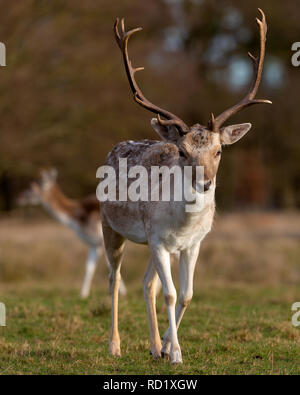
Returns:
<point x="116" y="32"/>
<point x="249" y="99"/>
<point x="122" y="41"/>
<point x="122" y="38"/>
<point x="170" y="122"/>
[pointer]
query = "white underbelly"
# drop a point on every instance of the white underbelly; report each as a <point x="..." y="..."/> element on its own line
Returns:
<point x="163" y="224"/>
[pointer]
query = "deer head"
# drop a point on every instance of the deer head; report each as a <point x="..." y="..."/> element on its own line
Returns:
<point x="37" y="191"/>
<point x="48" y="178"/>
<point x="197" y="145"/>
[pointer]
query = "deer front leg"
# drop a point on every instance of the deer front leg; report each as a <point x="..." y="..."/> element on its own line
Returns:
<point x="150" y="291"/>
<point x="90" y="268"/>
<point x="187" y="263"/>
<point x="161" y="261"/>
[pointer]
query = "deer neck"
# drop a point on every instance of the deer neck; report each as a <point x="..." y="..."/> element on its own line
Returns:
<point x="58" y="205"/>
<point x="193" y="211"/>
<point x="204" y="201"/>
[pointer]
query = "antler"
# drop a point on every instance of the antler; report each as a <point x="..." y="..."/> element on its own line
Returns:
<point x="215" y="123"/>
<point x="122" y="38"/>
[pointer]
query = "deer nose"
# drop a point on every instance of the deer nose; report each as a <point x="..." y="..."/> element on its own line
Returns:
<point x="207" y="185"/>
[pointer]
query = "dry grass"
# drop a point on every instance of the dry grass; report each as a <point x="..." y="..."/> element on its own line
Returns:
<point x="247" y="248"/>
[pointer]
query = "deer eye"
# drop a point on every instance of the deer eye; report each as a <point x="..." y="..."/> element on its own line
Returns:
<point x="218" y="153"/>
<point x="182" y="153"/>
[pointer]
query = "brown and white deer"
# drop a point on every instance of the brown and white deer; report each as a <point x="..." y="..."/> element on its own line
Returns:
<point x="80" y="215"/>
<point x="166" y="226"/>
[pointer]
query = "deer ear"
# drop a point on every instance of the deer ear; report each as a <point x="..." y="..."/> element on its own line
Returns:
<point x="231" y="134"/>
<point x="167" y="133"/>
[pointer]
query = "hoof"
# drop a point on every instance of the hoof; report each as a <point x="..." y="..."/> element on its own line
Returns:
<point x="165" y="355"/>
<point x="114" y="349"/>
<point x="84" y="295"/>
<point x="175" y="357"/>
<point x="156" y="355"/>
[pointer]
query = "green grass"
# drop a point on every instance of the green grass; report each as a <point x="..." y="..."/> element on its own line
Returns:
<point x="226" y="330"/>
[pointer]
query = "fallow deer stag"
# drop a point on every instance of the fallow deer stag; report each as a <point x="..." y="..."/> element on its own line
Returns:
<point x="166" y="226"/>
<point x="80" y="215"/>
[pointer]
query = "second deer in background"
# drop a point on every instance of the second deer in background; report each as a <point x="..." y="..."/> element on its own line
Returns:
<point x="83" y="216"/>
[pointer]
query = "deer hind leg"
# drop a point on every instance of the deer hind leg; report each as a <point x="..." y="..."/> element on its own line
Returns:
<point x="91" y="265"/>
<point x="122" y="287"/>
<point x="161" y="260"/>
<point x="114" y="245"/>
<point x="187" y="263"/>
<point x="150" y="289"/>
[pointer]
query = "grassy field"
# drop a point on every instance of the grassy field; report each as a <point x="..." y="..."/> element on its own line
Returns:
<point x="239" y="321"/>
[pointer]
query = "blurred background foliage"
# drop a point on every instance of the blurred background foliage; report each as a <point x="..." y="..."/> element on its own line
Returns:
<point x="65" y="99"/>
